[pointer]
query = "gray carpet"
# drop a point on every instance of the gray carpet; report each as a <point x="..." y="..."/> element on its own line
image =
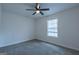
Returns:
<point x="36" y="47"/>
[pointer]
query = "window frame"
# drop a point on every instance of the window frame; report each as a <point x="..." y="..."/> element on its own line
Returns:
<point x="54" y="32"/>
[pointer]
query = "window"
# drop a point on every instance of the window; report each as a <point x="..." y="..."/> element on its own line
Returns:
<point x="52" y="28"/>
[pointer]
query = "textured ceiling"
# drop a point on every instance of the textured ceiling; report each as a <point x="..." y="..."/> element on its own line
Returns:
<point x="19" y="8"/>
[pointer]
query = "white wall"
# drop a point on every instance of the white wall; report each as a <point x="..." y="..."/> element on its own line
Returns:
<point x="16" y="29"/>
<point x="68" y="28"/>
<point x="0" y="14"/>
<point x="1" y="24"/>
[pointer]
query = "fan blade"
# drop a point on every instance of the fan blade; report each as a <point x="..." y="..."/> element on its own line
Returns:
<point x="41" y="13"/>
<point x="34" y="13"/>
<point x="46" y="9"/>
<point x="30" y="9"/>
<point x="37" y="6"/>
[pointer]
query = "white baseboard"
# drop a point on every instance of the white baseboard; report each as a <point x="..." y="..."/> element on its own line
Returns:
<point x="14" y="43"/>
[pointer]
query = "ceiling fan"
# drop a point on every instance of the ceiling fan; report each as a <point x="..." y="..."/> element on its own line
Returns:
<point x="37" y="9"/>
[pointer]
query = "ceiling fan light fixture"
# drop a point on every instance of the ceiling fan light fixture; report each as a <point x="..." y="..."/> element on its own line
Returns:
<point x="37" y="11"/>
